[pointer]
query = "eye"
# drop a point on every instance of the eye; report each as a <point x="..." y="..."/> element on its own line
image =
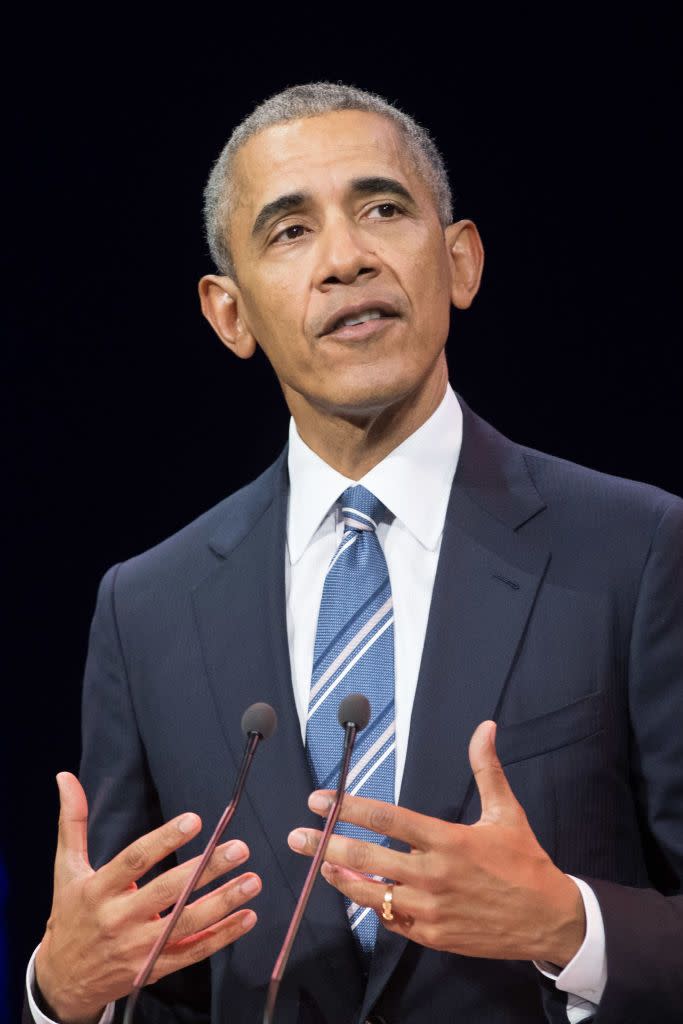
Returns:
<point x="288" y="234"/>
<point x="385" y="211"/>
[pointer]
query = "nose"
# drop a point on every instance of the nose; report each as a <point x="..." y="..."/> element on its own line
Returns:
<point x="344" y="254"/>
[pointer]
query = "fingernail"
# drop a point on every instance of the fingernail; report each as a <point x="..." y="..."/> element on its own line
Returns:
<point x="249" y="919"/>
<point x="187" y="823"/>
<point x="326" y="870"/>
<point x="319" y="802"/>
<point x="250" y="887"/>
<point x="297" y="839"/>
<point x="233" y="851"/>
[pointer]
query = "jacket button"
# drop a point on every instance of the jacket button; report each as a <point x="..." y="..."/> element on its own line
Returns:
<point x="376" y="1019"/>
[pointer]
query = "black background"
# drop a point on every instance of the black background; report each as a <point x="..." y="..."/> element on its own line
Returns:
<point x="126" y="417"/>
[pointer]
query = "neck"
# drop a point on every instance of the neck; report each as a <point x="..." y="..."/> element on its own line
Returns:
<point x="354" y="443"/>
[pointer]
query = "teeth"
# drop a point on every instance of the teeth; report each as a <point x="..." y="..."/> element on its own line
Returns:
<point x="351" y="321"/>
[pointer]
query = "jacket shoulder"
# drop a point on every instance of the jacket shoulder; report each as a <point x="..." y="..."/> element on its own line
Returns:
<point x="557" y="477"/>
<point x="190" y="553"/>
<point x="574" y="495"/>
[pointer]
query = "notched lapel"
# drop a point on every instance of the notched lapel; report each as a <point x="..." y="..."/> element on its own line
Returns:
<point x="482" y="599"/>
<point x="486" y="583"/>
<point x="241" y="619"/>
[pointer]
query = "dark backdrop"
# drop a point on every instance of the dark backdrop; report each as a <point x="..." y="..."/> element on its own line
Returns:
<point x="127" y="418"/>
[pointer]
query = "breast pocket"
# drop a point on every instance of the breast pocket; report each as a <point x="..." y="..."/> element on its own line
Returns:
<point x="528" y="750"/>
<point x="543" y="733"/>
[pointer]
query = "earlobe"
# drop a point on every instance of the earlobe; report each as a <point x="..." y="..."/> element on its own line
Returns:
<point x="466" y="254"/>
<point x="220" y="302"/>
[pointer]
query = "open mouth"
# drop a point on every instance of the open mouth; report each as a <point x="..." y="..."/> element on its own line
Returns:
<point x="361" y="318"/>
<point x="357" y="318"/>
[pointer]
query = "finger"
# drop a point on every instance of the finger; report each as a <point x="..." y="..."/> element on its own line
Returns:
<point x="368" y="858"/>
<point x="418" y="830"/>
<point x="498" y="802"/>
<point x="208" y="910"/>
<point x="72" y="840"/>
<point x="407" y="902"/>
<point x="198" y="947"/>
<point x="137" y="859"/>
<point x="165" y="890"/>
<point x="416" y="914"/>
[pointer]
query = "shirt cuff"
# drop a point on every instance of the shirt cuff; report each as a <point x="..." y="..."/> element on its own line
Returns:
<point x="586" y="973"/>
<point x="37" y="1014"/>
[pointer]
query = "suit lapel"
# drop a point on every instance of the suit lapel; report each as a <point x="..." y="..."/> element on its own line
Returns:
<point x="485" y="586"/>
<point x="241" y="619"/>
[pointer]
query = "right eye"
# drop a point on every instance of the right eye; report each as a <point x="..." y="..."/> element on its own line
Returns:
<point x="289" y="234"/>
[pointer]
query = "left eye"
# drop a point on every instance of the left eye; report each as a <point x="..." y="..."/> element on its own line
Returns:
<point x="385" y="210"/>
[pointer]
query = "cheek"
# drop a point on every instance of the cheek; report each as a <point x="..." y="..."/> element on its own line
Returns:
<point x="425" y="277"/>
<point x="277" y="321"/>
<point x="434" y="277"/>
<point x="431" y="312"/>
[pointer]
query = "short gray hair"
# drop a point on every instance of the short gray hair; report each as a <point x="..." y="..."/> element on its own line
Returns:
<point x="312" y="100"/>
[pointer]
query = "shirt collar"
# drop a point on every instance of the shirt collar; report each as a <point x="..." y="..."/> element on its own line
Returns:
<point x="413" y="481"/>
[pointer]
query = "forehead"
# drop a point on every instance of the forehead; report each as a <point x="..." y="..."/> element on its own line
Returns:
<point x="320" y="153"/>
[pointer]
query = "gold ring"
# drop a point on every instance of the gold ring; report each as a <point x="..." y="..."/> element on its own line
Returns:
<point x="387" y="912"/>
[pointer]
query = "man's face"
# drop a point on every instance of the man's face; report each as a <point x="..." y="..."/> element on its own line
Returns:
<point x="344" y="272"/>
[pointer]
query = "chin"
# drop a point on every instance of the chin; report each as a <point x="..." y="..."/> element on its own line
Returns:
<point x="366" y="395"/>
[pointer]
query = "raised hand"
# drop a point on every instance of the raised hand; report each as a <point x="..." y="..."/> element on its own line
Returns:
<point x="102" y="925"/>
<point x="484" y="890"/>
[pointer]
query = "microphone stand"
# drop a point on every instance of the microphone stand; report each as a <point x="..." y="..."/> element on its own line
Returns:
<point x="146" y="969"/>
<point x="281" y="962"/>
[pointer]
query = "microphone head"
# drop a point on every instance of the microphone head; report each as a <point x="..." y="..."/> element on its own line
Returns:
<point x="354" y="709"/>
<point x="260" y="718"/>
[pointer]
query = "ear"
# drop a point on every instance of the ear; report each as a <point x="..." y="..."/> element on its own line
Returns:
<point x="466" y="254"/>
<point x="220" y="300"/>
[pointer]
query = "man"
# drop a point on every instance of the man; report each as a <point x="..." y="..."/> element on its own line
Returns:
<point x="507" y="585"/>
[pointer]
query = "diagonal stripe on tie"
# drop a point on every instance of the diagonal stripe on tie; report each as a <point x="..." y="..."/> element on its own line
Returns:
<point x="351" y="628"/>
<point x="354" y="653"/>
<point x="366" y="748"/>
<point x="359" y="641"/>
<point x="359" y="653"/>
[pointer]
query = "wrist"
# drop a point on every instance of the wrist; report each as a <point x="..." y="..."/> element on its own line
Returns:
<point x="566" y="929"/>
<point x="50" y="1000"/>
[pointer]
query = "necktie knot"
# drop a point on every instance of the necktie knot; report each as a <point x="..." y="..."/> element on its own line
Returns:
<point x="361" y="510"/>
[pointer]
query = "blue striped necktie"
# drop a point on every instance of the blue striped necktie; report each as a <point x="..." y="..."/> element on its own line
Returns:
<point x="354" y="653"/>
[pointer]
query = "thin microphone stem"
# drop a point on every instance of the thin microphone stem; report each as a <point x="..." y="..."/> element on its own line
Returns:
<point x="146" y="969"/>
<point x="281" y="962"/>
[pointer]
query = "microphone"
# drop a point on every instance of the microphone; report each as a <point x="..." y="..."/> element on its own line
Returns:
<point x="354" y="715"/>
<point x="259" y="722"/>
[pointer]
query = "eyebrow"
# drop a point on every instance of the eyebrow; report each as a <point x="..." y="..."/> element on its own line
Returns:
<point x="291" y="201"/>
<point x="372" y="185"/>
<point x="283" y="204"/>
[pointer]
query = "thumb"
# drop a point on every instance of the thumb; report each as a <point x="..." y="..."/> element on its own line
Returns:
<point x="72" y="839"/>
<point x="498" y="802"/>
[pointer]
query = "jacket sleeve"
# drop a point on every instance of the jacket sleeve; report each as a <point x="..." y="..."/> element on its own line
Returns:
<point x="123" y="803"/>
<point x="644" y="927"/>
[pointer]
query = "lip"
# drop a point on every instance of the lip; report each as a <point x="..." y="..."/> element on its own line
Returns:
<point x="359" y="332"/>
<point x="387" y="308"/>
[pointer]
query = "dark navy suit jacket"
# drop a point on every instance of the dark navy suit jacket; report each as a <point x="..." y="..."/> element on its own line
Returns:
<point x="557" y="611"/>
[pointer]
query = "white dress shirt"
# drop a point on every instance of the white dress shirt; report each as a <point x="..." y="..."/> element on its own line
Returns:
<point x="414" y="483"/>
